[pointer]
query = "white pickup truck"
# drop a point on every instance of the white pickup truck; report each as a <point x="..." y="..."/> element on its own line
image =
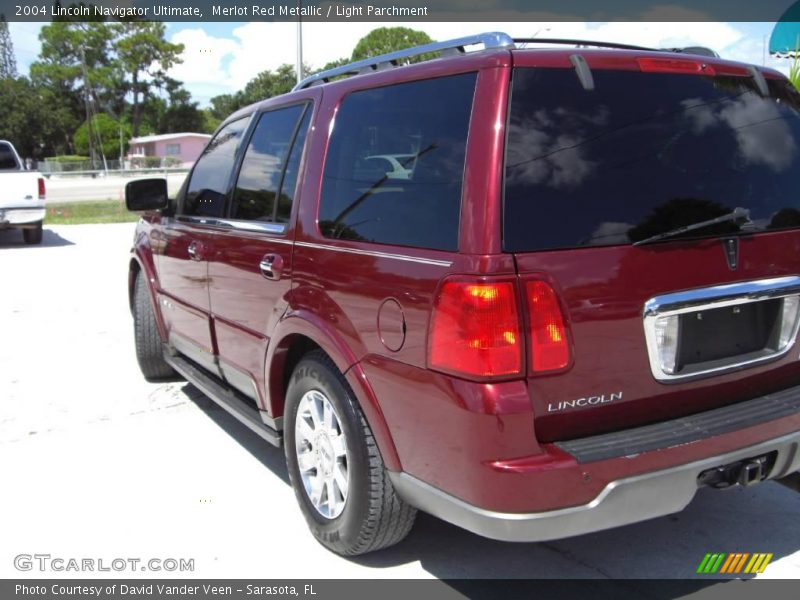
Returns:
<point x="22" y="195"/>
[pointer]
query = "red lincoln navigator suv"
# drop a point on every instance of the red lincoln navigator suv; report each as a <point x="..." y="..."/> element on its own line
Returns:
<point x="533" y="292"/>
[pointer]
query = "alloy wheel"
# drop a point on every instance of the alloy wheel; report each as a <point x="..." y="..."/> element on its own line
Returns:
<point x="321" y="451"/>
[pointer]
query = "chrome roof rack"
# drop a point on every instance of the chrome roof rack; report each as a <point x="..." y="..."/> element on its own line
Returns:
<point x="385" y="61"/>
<point x="494" y="39"/>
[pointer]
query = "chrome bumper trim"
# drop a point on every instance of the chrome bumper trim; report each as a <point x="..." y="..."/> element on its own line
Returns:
<point x="21" y="216"/>
<point x="710" y="298"/>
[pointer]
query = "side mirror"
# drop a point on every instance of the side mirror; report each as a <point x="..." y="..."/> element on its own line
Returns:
<point x="146" y="194"/>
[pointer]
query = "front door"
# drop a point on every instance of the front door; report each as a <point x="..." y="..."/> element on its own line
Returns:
<point x="250" y="265"/>
<point x="183" y="266"/>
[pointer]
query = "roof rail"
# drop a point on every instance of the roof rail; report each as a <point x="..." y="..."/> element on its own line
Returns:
<point x="699" y="50"/>
<point x="569" y="42"/>
<point x="375" y="63"/>
<point x="494" y="39"/>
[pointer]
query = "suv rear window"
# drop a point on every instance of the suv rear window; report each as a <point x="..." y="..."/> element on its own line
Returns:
<point x="644" y="153"/>
<point x="396" y="162"/>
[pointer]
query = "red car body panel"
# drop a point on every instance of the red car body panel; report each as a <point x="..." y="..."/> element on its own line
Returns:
<point x="604" y="291"/>
<point x="368" y="306"/>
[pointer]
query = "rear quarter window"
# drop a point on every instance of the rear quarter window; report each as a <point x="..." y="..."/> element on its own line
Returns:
<point x="395" y="164"/>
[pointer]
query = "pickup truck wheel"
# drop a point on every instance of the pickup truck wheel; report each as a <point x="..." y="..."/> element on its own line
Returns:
<point x="33" y="235"/>
<point x="335" y="467"/>
<point x="149" y="352"/>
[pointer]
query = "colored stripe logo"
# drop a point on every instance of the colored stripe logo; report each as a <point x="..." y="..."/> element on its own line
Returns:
<point x="733" y="563"/>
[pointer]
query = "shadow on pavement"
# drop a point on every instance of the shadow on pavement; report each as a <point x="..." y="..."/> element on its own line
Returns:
<point x="268" y="455"/>
<point x="758" y="519"/>
<point x="12" y="238"/>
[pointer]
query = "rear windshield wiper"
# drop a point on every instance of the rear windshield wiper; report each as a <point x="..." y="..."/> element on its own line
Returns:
<point x="739" y="216"/>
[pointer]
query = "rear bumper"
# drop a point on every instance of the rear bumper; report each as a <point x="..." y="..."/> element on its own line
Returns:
<point x="621" y="502"/>
<point x="11" y="217"/>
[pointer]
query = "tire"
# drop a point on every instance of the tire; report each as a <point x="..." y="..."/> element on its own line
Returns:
<point x="34" y="235"/>
<point x="372" y="515"/>
<point x="149" y="352"/>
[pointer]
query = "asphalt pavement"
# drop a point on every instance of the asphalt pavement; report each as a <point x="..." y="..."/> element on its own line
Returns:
<point x="95" y="462"/>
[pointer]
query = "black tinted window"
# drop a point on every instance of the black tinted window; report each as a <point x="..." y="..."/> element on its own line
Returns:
<point x="292" y="169"/>
<point x="644" y="153"/>
<point x="205" y="195"/>
<point x="7" y="158"/>
<point x="395" y="164"/>
<point x="263" y="165"/>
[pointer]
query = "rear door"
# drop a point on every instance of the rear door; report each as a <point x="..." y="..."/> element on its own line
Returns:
<point x="183" y="265"/>
<point x="662" y="328"/>
<point x="250" y="267"/>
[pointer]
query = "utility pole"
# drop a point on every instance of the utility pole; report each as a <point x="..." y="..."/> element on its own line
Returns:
<point x="88" y="110"/>
<point x="299" y="65"/>
<point x="92" y="134"/>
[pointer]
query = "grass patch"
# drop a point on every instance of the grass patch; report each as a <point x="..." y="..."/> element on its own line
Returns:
<point x="75" y="213"/>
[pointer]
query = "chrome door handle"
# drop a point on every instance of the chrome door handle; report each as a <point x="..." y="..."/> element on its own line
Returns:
<point x="271" y="266"/>
<point x="194" y="251"/>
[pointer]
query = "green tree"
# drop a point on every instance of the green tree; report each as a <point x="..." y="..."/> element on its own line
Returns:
<point x="210" y="122"/>
<point x="143" y="57"/>
<point x="8" y="63"/>
<point x="180" y="113"/>
<point x="76" y="63"/>
<point x="34" y="119"/>
<point x="108" y="130"/>
<point x="224" y="104"/>
<point x="272" y="83"/>
<point x="382" y="41"/>
<point x="171" y="111"/>
<point x="268" y="84"/>
<point x="389" y="39"/>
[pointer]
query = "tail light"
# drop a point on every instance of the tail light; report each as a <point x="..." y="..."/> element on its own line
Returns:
<point x="549" y="344"/>
<point x="475" y="329"/>
<point x="41" y="188"/>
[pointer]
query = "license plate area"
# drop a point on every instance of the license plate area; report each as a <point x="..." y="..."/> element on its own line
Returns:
<point x="708" y="338"/>
<point x="712" y="330"/>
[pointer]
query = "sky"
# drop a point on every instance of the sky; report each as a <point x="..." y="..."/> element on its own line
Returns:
<point x="220" y="58"/>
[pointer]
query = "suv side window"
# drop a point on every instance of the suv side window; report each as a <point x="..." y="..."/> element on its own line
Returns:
<point x="205" y="194"/>
<point x="289" y="184"/>
<point x="395" y="164"/>
<point x="261" y="177"/>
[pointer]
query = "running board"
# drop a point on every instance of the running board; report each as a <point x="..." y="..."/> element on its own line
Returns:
<point x="225" y="397"/>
